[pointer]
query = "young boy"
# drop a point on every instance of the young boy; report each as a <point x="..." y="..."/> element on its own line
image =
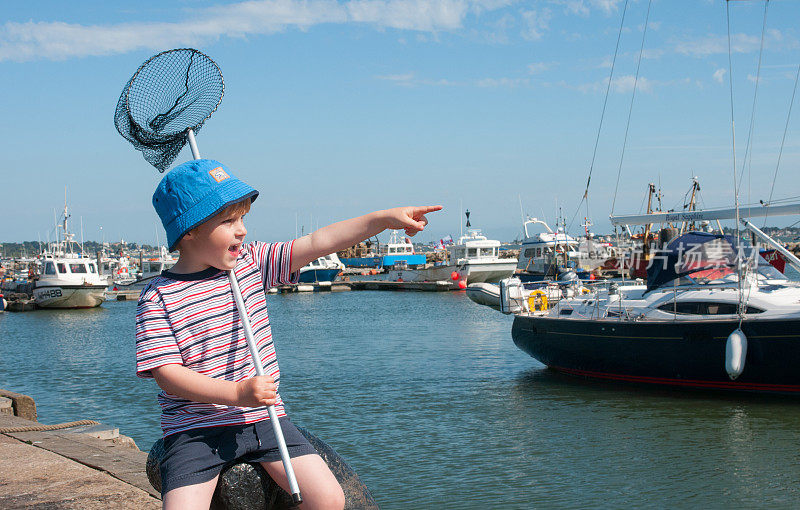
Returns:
<point x="189" y="335"/>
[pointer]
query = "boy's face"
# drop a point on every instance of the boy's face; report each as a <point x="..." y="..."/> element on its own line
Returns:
<point x="217" y="241"/>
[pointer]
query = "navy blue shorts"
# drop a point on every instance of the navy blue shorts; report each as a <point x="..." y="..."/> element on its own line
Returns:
<point x="198" y="455"/>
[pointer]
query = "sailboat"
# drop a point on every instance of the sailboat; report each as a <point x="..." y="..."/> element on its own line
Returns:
<point x="713" y="314"/>
<point x="688" y="326"/>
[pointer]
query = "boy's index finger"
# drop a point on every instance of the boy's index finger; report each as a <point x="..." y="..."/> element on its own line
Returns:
<point x="428" y="208"/>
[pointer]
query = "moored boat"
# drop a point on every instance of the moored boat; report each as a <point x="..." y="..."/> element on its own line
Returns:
<point x="678" y="329"/>
<point x="323" y="269"/>
<point x="473" y="259"/>
<point x="400" y="249"/>
<point x="67" y="279"/>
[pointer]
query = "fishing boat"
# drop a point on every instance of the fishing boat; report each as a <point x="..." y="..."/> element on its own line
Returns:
<point x="399" y="249"/>
<point x="323" y="269"/>
<point x="149" y="268"/>
<point x="713" y="314"/>
<point x="361" y="255"/>
<point x="548" y="255"/>
<point x="473" y="259"/>
<point x="67" y="279"/>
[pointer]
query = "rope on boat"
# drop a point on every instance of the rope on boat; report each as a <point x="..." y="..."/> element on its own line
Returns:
<point x="602" y="116"/>
<point x="40" y="428"/>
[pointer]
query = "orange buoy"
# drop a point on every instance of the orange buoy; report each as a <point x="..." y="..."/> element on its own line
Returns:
<point x="462" y="284"/>
<point x="454" y="276"/>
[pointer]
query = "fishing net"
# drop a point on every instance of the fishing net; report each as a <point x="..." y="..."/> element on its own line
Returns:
<point x="169" y="94"/>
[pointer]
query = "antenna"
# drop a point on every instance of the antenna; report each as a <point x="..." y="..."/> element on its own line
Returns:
<point x="460" y="226"/>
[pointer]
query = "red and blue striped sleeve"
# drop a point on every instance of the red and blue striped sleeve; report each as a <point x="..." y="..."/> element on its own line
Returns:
<point x="275" y="262"/>
<point x="156" y="344"/>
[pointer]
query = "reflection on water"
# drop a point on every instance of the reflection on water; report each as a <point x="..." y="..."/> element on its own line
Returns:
<point x="427" y="397"/>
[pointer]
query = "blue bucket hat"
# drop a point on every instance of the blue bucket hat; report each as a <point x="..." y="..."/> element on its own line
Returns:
<point x="193" y="192"/>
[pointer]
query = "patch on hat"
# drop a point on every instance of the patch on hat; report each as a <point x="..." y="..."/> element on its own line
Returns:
<point x="218" y="174"/>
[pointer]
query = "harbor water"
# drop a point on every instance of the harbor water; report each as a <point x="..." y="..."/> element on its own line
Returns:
<point x="427" y="397"/>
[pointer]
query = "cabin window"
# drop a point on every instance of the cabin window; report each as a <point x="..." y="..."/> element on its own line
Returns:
<point x="565" y="311"/>
<point x="62" y="268"/>
<point x="472" y="252"/>
<point x="530" y="252"/>
<point x="49" y="268"/>
<point x="705" y="308"/>
<point x="92" y="268"/>
<point x="77" y="268"/>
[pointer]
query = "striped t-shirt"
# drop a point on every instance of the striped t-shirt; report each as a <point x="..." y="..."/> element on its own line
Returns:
<point x="192" y="320"/>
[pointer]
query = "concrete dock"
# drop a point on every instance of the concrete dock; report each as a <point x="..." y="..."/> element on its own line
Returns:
<point x="382" y="285"/>
<point x="70" y="468"/>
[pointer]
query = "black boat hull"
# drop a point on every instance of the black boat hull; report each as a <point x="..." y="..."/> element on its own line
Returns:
<point x="681" y="354"/>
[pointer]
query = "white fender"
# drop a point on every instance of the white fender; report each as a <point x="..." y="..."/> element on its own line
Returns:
<point x="735" y="353"/>
<point x="510" y="295"/>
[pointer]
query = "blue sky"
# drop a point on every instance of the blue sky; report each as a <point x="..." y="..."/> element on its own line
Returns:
<point x="333" y="109"/>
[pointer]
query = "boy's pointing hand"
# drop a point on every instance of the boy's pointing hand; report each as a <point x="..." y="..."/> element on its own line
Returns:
<point x="410" y="219"/>
<point x="257" y="391"/>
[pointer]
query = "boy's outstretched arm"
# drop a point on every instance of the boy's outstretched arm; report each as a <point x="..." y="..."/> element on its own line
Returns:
<point x="345" y="234"/>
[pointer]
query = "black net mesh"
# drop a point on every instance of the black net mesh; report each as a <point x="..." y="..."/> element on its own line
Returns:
<point x="172" y="92"/>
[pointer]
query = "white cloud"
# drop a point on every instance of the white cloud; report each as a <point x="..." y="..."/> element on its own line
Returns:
<point x="607" y="6"/>
<point x="719" y="74"/>
<point x="625" y="84"/>
<point x="58" y="40"/>
<point x="740" y="43"/>
<point x="502" y="82"/>
<point x="620" y="84"/>
<point x="584" y="7"/>
<point x="535" y="23"/>
<point x="398" y="78"/>
<point x="538" y="67"/>
<point x="412" y="80"/>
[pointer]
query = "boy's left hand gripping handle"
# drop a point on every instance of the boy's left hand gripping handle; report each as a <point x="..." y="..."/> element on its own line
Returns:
<point x="273" y="416"/>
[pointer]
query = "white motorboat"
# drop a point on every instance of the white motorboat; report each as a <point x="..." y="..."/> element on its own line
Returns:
<point x="67" y="279"/>
<point x="538" y="296"/>
<point x="149" y="268"/>
<point x="473" y="259"/>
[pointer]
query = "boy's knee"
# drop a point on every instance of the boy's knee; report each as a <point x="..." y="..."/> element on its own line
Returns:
<point x="334" y="500"/>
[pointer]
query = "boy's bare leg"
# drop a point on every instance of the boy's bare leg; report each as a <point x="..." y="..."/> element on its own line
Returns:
<point x="190" y="496"/>
<point x="318" y="487"/>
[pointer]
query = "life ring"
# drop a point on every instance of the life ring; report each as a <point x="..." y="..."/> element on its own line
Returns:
<point x="537" y="301"/>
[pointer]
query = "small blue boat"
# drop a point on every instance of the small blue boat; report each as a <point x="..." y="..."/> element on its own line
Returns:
<point x="399" y="250"/>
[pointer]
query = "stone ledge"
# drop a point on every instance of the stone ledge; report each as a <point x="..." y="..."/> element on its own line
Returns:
<point x="115" y="458"/>
<point x="37" y="478"/>
<point x="24" y="406"/>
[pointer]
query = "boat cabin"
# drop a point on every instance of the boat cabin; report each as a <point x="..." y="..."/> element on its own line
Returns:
<point x="62" y="267"/>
